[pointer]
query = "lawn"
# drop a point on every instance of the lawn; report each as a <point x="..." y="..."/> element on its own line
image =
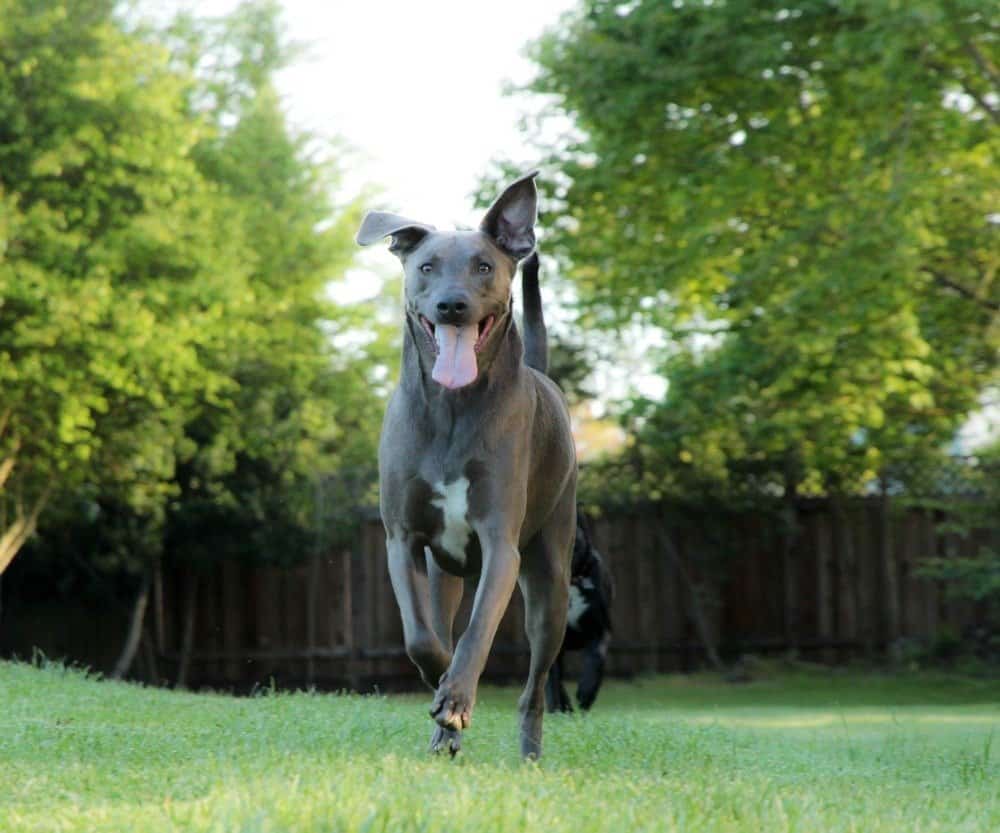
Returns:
<point x="810" y="751"/>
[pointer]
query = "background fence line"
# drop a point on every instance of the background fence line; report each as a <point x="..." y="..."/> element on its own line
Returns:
<point x="844" y="586"/>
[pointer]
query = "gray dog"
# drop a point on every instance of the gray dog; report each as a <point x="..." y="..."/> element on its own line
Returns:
<point x="476" y="462"/>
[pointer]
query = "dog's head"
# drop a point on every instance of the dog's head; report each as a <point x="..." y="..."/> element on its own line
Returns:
<point x="458" y="283"/>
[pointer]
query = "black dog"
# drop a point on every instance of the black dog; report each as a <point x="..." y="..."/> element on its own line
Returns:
<point x="588" y="626"/>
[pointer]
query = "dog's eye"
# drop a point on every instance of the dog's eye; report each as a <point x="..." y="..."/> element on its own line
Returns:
<point x="426" y="268"/>
<point x="485" y="268"/>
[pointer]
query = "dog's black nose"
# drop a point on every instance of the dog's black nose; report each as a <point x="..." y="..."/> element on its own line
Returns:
<point x="452" y="310"/>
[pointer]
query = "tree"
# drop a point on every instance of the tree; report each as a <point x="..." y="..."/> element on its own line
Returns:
<point x="803" y="195"/>
<point x="976" y="577"/>
<point x="255" y="486"/>
<point x="196" y="384"/>
<point x="117" y="267"/>
<point x="300" y="409"/>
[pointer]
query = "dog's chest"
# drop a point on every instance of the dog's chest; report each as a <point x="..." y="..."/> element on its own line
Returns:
<point x="438" y="512"/>
<point x="453" y="501"/>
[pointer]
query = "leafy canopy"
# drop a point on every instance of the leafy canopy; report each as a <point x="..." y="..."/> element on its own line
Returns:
<point x="803" y="195"/>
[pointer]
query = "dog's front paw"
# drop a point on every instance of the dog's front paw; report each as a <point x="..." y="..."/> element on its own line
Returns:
<point x="452" y="706"/>
<point x="446" y="740"/>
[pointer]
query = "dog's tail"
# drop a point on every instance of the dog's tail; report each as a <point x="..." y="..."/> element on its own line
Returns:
<point x="536" y="345"/>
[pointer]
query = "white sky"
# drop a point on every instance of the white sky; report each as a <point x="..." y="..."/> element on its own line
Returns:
<point x="415" y="88"/>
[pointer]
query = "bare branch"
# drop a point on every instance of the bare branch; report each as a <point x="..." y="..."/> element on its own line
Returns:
<point x="969" y="91"/>
<point x="969" y="45"/>
<point x="979" y="59"/>
<point x="15" y="536"/>
<point x="944" y="280"/>
<point x="982" y="62"/>
<point x="982" y="102"/>
<point x="6" y="467"/>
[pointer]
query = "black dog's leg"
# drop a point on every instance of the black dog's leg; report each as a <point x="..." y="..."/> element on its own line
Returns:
<point x="594" y="658"/>
<point x="556" y="697"/>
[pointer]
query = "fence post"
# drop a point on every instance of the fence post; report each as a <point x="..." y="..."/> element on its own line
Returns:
<point x="788" y="566"/>
<point x="889" y="573"/>
<point x="187" y="639"/>
<point x="825" y="596"/>
<point x="158" y="613"/>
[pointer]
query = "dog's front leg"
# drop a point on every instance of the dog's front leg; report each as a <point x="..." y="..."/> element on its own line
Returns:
<point x="408" y="573"/>
<point x="456" y="695"/>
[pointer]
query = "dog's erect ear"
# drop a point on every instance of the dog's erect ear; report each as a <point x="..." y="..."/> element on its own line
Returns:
<point x="405" y="233"/>
<point x="511" y="219"/>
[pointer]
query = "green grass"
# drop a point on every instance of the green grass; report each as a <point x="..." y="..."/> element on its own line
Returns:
<point x="810" y="751"/>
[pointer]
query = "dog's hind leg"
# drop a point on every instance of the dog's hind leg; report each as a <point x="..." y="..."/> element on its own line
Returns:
<point x="556" y="697"/>
<point x="594" y="659"/>
<point x="546" y="599"/>
<point x="446" y="595"/>
<point x="410" y="584"/>
<point x="544" y="583"/>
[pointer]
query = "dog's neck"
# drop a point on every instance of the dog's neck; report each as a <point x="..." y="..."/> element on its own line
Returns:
<point x="500" y="365"/>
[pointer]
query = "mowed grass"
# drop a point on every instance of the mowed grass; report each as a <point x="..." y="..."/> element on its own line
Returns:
<point x="810" y="751"/>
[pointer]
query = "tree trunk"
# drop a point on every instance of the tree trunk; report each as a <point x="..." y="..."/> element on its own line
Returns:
<point x="149" y="656"/>
<point x="20" y="530"/>
<point x="697" y="611"/>
<point x="187" y="640"/>
<point x="135" y="628"/>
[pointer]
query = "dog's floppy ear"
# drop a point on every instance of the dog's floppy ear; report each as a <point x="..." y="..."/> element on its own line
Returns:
<point x="405" y="233"/>
<point x="511" y="219"/>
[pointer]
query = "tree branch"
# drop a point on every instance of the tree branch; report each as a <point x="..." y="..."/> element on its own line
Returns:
<point x="6" y="467"/>
<point x="944" y="280"/>
<point x="969" y="45"/>
<point x="968" y="90"/>
<point x="21" y="530"/>
<point x="982" y="102"/>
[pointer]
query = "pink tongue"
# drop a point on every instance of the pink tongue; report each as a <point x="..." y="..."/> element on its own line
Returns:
<point x="455" y="366"/>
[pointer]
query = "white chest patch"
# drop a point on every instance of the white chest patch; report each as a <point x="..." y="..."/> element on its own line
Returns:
<point x="577" y="606"/>
<point x="453" y="501"/>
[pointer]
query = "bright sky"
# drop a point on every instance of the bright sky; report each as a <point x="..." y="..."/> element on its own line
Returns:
<point x="416" y="88"/>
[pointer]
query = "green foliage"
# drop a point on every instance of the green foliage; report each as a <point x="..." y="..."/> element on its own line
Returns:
<point x="803" y="196"/>
<point x="798" y="752"/>
<point x="299" y="408"/>
<point x="977" y="577"/>
<point x="117" y="270"/>
<point x="570" y="365"/>
<point x="166" y="239"/>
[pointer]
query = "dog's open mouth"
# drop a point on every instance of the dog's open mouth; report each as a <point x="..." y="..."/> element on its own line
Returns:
<point x="455" y="350"/>
<point x="484" y="328"/>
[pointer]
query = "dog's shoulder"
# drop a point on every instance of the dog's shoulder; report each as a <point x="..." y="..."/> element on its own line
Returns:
<point x="550" y="395"/>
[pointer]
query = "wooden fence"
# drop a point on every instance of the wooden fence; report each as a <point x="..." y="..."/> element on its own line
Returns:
<point x="844" y="586"/>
